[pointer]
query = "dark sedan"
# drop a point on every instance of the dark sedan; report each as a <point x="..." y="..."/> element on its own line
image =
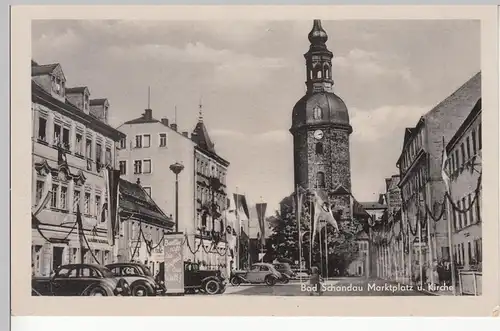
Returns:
<point x="142" y="282"/>
<point x="80" y="279"/>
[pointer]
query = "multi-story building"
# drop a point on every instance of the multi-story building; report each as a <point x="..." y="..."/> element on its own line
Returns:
<point x="373" y="264"/>
<point x="422" y="187"/>
<point x="71" y="144"/>
<point x="464" y="168"/>
<point x="147" y="152"/>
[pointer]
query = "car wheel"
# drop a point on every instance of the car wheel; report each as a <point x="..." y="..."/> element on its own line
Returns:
<point x="235" y="281"/>
<point x="98" y="292"/>
<point x="140" y="291"/>
<point x="212" y="287"/>
<point x="270" y="281"/>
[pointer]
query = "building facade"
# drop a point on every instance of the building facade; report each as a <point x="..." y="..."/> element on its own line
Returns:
<point x="321" y="129"/>
<point x="143" y="226"/>
<point x="421" y="183"/>
<point x="464" y="152"/>
<point x="373" y="243"/>
<point x="71" y="146"/>
<point x="150" y="147"/>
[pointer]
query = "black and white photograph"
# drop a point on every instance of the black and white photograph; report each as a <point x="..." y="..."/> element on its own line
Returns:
<point x="261" y="158"/>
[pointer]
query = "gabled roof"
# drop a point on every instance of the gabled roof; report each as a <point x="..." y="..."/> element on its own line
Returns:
<point x="142" y="119"/>
<point x="201" y="138"/>
<point x="44" y="69"/>
<point x="341" y="190"/>
<point x="134" y="199"/>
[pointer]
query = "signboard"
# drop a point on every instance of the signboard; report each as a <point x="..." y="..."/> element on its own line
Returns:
<point x="174" y="263"/>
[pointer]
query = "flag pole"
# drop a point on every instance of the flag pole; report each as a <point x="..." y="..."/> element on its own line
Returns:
<point x="320" y="252"/>
<point x="326" y="252"/>
<point x="298" y="212"/>
<point x="310" y="233"/>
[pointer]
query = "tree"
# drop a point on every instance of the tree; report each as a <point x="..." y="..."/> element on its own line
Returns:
<point x="284" y="240"/>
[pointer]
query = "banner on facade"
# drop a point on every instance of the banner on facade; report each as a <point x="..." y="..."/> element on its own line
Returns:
<point x="174" y="263"/>
<point x="261" y="214"/>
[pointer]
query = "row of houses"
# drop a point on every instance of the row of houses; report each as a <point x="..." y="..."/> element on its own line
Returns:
<point x="74" y="148"/>
<point x="437" y="190"/>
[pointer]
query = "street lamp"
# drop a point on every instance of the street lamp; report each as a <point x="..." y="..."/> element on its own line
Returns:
<point x="176" y="169"/>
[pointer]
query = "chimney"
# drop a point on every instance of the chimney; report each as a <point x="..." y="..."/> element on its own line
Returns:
<point x="173" y="126"/>
<point x="148" y="114"/>
<point x="164" y="121"/>
<point x="185" y="134"/>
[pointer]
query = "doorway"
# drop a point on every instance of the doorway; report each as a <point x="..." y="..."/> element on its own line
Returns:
<point x="57" y="257"/>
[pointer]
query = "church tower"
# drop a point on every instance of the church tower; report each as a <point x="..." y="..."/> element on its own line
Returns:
<point x="321" y="129"/>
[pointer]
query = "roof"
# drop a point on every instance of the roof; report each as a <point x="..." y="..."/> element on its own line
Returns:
<point x="39" y="95"/>
<point x="333" y="111"/>
<point x="77" y="89"/>
<point x="96" y="102"/>
<point x="135" y="200"/>
<point x="141" y="119"/>
<point x="201" y="138"/>
<point x="45" y="69"/>
<point x="465" y="124"/>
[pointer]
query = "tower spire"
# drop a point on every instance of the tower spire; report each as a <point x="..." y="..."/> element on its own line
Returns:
<point x="149" y="97"/>
<point x="318" y="61"/>
<point x="200" y="112"/>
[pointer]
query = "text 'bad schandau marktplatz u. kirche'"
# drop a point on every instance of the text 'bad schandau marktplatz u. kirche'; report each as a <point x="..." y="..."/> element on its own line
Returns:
<point x="425" y="227"/>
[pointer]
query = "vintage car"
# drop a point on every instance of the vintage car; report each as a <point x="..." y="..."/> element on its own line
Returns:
<point x="80" y="279"/>
<point x="204" y="281"/>
<point x="285" y="270"/>
<point x="259" y="273"/>
<point x="141" y="281"/>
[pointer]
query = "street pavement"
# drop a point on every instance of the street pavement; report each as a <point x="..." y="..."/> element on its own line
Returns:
<point x="336" y="287"/>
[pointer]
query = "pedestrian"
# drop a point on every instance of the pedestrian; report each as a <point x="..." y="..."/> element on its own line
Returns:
<point x="315" y="282"/>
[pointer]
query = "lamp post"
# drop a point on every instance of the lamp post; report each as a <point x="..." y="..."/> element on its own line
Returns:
<point x="176" y="169"/>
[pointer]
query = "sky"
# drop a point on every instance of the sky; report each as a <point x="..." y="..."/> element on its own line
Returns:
<point x="249" y="75"/>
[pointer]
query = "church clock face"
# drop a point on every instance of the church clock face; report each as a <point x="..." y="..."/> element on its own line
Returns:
<point x="318" y="134"/>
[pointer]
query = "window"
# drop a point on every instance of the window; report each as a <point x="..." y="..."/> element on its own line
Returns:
<point x="462" y="215"/>
<point x="469" y="252"/>
<point x="39" y="190"/>
<point x="88" y="148"/>
<point x="317" y="113"/>
<point x="479" y="137"/>
<point x="42" y="128"/>
<point x="53" y="200"/>
<point x="123" y="167"/>
<point x="471" y="210"/>
<point x="97" y="205"/>
<point x="76" y="199"/>
<point x="462" y="149"/>
<point x="138" y="141"/>
<point x="478" y="207"/>
<point x="146" y="166"/>
<point x="123" y="143"/>
<point x="63" y="198"/>
<point x="452" y="163"/>
<point x="479" y="250"/>
<point x="98" y="153"/>
<point x="65" y="138"/>
<point x="146" y="141"/>
<point x="320" y="180"/>
<point x="78" y="144"/>
<point x="163" y="140"/>
<point x="319" y="148"/>
<point x="57" y="134"/>
<point x="462" y="246"/>
<point x="137" y="167"/>
<point x="86" y="208"/>
<point x="147" y="189"/>
<point x="457" y="160"/>
<point x="107" y="156"/>
<point x="468" y="148"/>
<point x="89" y="273"/>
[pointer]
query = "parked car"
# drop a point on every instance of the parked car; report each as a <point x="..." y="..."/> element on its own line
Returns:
<point x="204" y="281"/>
<point x="301" y="273"/>
<point x="284" y="269"/>
<point x="259" y="273"/>
<point x="142" y="283"/>
<point x="81" y="279"/>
